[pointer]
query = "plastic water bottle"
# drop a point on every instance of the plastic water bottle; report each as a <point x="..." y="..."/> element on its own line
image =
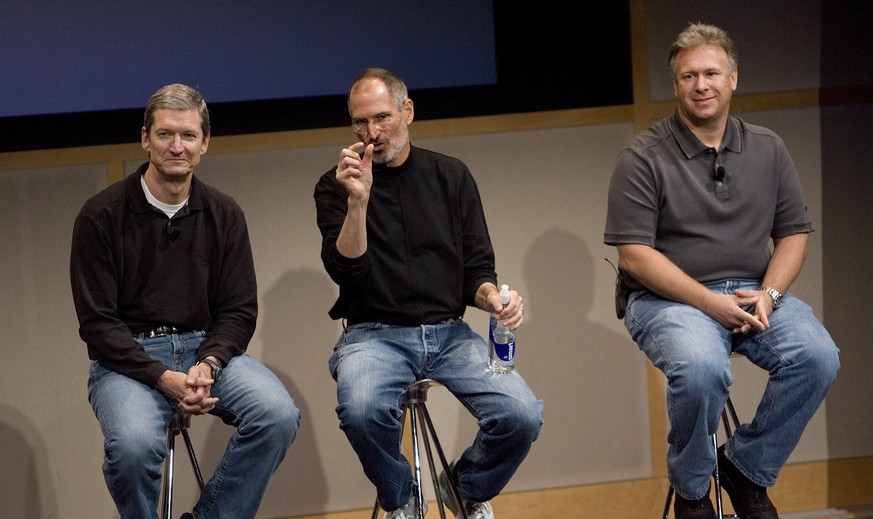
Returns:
<point x="502" y="340"/>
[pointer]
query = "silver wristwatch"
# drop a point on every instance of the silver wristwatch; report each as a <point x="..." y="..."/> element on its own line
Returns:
<point x="775" y="294"/>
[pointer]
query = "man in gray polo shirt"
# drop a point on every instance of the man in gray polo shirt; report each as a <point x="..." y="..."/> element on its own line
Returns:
<point x="693" y="204"/>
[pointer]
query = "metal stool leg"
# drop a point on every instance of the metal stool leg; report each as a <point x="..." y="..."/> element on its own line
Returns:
<point x="666" y="514"/>
<point x="415" y="406"/>
<point x="431" y="435"/>
<point x="728" y="411"/>
<point x="416" y="459"/>
<point x="179" y="423"/>
<point x="169" y="473"/>
<point x="719" y="509"/>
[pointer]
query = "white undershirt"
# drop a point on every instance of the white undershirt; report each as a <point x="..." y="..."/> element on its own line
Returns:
<point x="168" y="209"/>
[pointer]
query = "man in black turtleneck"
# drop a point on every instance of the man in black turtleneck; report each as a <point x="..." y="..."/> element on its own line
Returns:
<point x="405" y="238"/>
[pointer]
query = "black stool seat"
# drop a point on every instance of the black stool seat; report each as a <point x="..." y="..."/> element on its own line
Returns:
<point x="179" y="423"/>
<point x="414" y="402"/>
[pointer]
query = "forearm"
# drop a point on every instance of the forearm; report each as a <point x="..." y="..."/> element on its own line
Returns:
<point x="352" y="239"/>
<point x="789" y="254"/>
<point x="660" y="275"/>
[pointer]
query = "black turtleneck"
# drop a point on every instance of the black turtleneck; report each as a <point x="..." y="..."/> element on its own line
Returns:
<point x="428" y="248"/>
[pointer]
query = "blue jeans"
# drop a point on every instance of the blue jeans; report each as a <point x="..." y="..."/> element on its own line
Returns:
<point x="134" y="420"/>
<point x="692" y="351"/>
<point x="373" y="363"/>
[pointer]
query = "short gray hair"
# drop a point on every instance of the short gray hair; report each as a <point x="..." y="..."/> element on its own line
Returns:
<point x="697" y="34"/>
<point x="177" y="97"/>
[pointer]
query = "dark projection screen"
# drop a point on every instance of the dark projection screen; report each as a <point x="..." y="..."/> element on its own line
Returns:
<point x="79" y="73"/>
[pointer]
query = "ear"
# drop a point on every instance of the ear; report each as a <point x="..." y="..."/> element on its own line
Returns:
<point x="733" y="76"/>
<point x="204" y="145"/>
<point x="145" y="139"/>
<point x="408" y="111"/>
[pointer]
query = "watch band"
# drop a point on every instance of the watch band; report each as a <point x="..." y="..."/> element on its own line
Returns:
<point x="775" y="294"/>
<point x="216" y="368"/>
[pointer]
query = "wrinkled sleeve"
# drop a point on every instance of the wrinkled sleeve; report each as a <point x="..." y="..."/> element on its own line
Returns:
<point x="479" y="266"/>
<point x="791" y="214"/>
<point x="93" y="274"/>
<point x="233" y="303"/>
<point x="632" y="204"/>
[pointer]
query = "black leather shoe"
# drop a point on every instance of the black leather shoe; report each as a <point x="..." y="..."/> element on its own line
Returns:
<point x="750" y="500"/>
<point x="693" y="509"/>
<point x="186" y="515"/>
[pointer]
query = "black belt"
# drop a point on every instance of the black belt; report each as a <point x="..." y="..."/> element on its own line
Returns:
<point x="160" y="331"/>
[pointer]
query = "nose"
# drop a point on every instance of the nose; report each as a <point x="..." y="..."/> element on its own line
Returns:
<point x="372" y="128"/>
<point x="701" y="83"/>
<point x="176" y="145"/>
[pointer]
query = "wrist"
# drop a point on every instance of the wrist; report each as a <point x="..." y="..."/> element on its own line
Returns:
<point x="774" y="294"/>
<point x="214" y="366"/>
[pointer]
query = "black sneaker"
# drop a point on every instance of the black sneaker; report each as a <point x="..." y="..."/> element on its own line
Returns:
<point x="750" y="500"/>
<point x="693" y="508"/>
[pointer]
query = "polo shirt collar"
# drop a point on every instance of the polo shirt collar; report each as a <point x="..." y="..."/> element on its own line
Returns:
<point x="691" y="145"/>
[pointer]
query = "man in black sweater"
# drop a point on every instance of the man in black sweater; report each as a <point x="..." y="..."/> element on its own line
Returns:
<point x="164" y="287"/>
<point x="404" y="237"/>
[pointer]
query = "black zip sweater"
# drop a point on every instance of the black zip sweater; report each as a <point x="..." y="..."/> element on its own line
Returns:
<point x="428" y="248"/>
<point x="133" y="269"/>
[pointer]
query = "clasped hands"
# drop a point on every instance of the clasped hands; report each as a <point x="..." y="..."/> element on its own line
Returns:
<point x="744" y="311"/>
<point x="189" y="391"/>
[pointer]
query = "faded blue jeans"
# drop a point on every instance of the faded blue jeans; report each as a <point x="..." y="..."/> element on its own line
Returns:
<point x="692" y="351"/>
<point x="373" y="363"/>
<point x="134" y="420"/>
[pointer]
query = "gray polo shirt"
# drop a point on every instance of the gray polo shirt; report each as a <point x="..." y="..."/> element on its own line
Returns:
<point x="664" y="193"/>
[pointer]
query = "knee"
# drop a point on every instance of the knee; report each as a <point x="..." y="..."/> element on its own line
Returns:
<point x="823" y="366"/>
<point x="129" y="451"/>
<point x="281" y="421"/>
<point x="359" y="412"/>
<point x="703" y="375"/>
<point x="522" y="422"/>
<point x="530" y="420"/>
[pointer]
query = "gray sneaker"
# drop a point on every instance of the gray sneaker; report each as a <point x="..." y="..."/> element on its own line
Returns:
<point x="410" y="511"/>
<point x="472" y="509"/>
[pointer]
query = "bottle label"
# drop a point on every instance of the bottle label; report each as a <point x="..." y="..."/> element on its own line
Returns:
<point x="502" y="345"/>
<point x="504" y="351"/>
